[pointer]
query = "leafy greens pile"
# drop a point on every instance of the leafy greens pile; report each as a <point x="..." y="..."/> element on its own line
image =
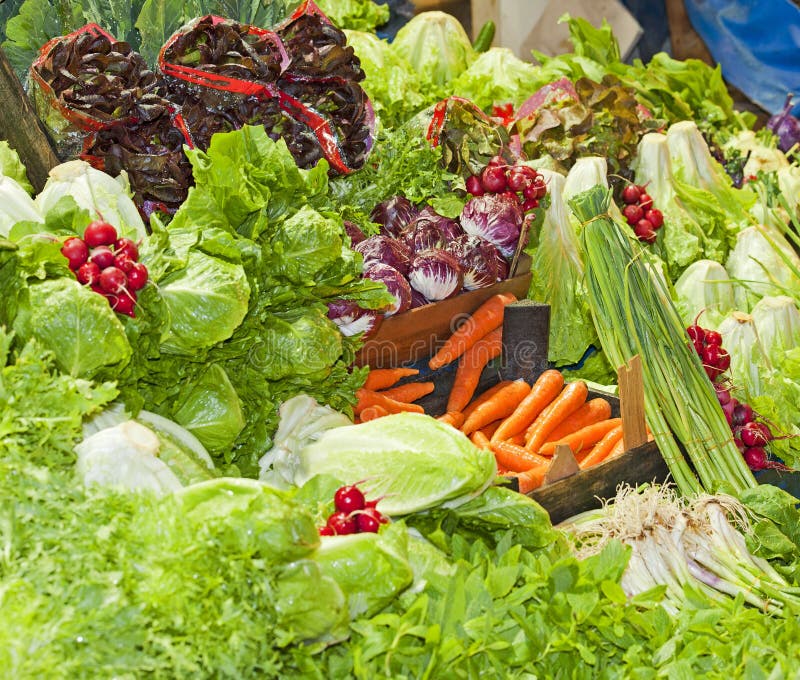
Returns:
<point x="236" y="322"/>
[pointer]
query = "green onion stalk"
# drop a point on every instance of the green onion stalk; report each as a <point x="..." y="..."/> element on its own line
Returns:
<point x="634" y="314"/>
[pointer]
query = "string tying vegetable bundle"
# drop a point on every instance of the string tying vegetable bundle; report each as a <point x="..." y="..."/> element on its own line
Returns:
<point x="633" y="314"/>
<point x="687" y="547"/>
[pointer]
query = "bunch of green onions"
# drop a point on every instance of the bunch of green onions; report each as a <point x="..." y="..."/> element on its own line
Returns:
<point x="633" y="314"/>
<point x="686" y="547"/>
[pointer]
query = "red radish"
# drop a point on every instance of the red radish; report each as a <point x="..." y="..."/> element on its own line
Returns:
<point x="125" y="304"/>
<point x="531" y="192"/>
<point x="699" y="347"/>
<point x="540" y="186"/>
<point x="656" y="218"/>
<point x="102" y="257"/>
<point x="497" y="160"/>
<point x="695" y="332"/>
<point x="742" y="414"/>
<point x="631" y="193"/>
<point x="645" y="202"/>
<point x="493" y="179"/>
<point x="518" y="178"/>
<point x="529" y="204"/>
<point x="756" y="458"/>
<point x="713" y="338"/>
<point x="137" y="276"/>
<point x="711" y="355"/>
<point x="740" y="444"/>
<point x="76" y="251"/>
<point x="644" y="231"/>
<point x="113" y="280"/>
<point x="474" y="185"/>
<point x="369" y="520"/>
<point x="723" y="394"/>
<point x="326" y="531"/>
<point x="125" y="245"/>
<point x="342" y="524"/>
<point x="348" y="499"/>
<point x="723" y="359"/>
<point x="124" y="262"/>
<point x="633" y="213"/>
<point x="727" y="409"/>
<point x="88" y="273"/>
<point x="755" y="434"/>
<point x="99" y="233"/>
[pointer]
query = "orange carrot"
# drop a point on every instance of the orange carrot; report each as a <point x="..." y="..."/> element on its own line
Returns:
<point x="517" y="439"/>
<point x="619" y="448"/>
<point x="593" y="411"/>
<point x="485" y="319"/>
<point x="583" y="438"/>
<point x="369" y="398"/>
<point x="488" y="431"/>
<point x="544" y="390"/>
<point x="500" y="406"/>
<point x="602" y="449"/>
<point x="517" y="458"/>
<point x="409" y="392"/>
<point x="454" y="418"/>
<point x="381" y="378"/>
<point x="372" y="412"/>
<point x="565" y="404"/>
<point x="483" y="396"/>
<point x="480" y="440"/>
<point x="530" y="480"/>
<point x="470" y="367"/>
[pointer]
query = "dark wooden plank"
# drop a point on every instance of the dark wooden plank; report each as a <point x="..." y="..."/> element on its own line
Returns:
<point x="583" y="491"/>
<point x="20" y="126"/>
<point x="526" y="333"/>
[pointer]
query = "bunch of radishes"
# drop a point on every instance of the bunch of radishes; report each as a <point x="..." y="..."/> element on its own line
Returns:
<point x="750" y="434"/>
<point x="353" y="514"/>
<point x="107" y="264"/>
<point x="520" y="180"/>
<point x="640" y="213"/>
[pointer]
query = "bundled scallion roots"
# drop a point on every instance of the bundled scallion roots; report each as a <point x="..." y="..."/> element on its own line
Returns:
<point x="633" y="314"/>
<point x="687" y="546"/>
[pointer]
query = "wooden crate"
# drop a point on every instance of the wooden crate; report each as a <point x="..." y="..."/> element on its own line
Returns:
<point x="525" y="332"/>
<point x="413" y="336"/>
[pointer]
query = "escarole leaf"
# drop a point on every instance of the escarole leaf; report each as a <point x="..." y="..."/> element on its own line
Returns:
<point x="557" y="279"/>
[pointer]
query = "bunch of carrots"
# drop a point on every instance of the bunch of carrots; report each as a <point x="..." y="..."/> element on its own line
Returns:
<point x="520" y="423"/>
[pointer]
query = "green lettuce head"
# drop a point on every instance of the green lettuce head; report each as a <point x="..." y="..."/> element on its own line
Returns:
<point x="436" y="46"/>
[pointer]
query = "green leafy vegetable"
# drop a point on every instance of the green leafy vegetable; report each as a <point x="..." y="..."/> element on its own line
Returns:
<point x="411" y="461"/>
<point x="372" y="569"/>
<point x="41" y="409"/>
<point x="357" y="15"/>
<point x="207" y="301"/>
<point x="11" y="166"/>
<point x="391" y="84"/>
<point x="74" y="323"/>
<point x="210" y="409"/>
<point x="497" y="76"/>
<point x="557" y="278"/>
<point x="436" y="46"/>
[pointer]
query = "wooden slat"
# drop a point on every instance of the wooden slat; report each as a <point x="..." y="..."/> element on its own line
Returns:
<point x="20" y="126"/>
<point x="583" y="491"/>
<point x="631" y="403"/>
<point x="562" y="466"/>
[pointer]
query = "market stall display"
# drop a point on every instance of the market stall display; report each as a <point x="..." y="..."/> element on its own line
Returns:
<point x="300" y="370"/>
